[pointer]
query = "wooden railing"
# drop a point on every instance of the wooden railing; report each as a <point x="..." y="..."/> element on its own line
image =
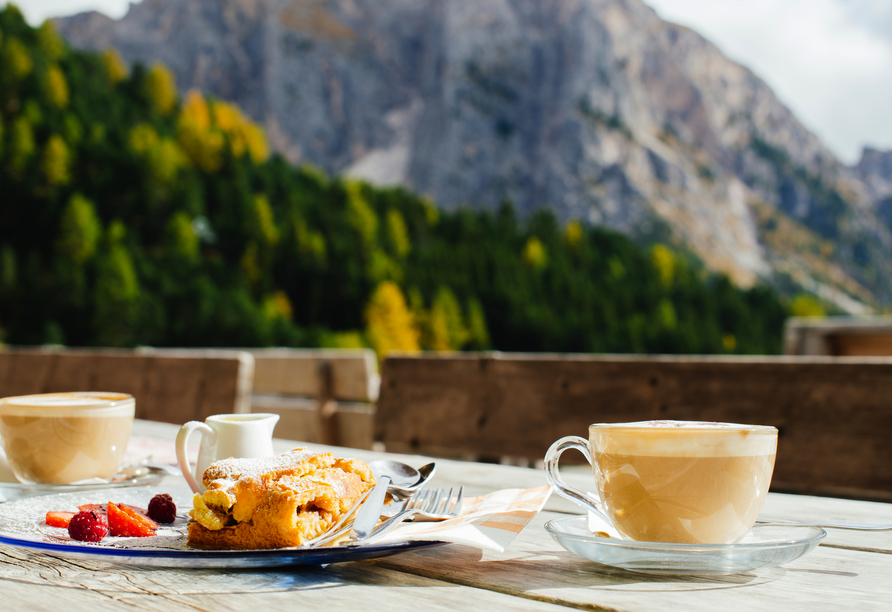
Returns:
<point x="321" y="396"/>
<point x="834" y="415"/>
<point x="839" y="336"/>
<point x="169" y="386"/>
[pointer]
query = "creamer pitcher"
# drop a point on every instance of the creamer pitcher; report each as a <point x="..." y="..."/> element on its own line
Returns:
<point x="224" y="436"/>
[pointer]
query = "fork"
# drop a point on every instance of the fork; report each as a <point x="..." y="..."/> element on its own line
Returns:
<point x="427" y="505"/>
<point x="342" y="526"/>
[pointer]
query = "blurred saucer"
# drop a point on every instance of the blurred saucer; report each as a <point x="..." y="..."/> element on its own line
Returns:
<point x="132" y="476"/>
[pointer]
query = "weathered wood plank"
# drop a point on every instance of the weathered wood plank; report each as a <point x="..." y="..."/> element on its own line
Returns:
<point x="299" y="420"/>
<point x="824" y="408"/>
<point x="55" y="584"/>
<point x="840" y="336"/>
<point x="537" y="568"/>
<point x="167" y="387"/>
<point x="295" y="372"/>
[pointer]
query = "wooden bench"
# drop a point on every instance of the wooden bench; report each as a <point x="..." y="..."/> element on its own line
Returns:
<point x="834" y="415"/>
<point x="169" y="386"/>
<point x="839" y="336"/>
<point x="321" y="396"/>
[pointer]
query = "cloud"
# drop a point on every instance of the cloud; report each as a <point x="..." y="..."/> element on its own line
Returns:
<point x="37" y="11"/>
<point x="829" y="61"/>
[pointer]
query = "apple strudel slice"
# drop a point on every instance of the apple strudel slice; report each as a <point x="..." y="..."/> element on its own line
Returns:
<point x="276" y="501"/>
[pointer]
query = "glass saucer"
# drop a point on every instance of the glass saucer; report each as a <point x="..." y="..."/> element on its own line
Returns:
<point x="135" y="476"/>
<point x="762" y="547"/>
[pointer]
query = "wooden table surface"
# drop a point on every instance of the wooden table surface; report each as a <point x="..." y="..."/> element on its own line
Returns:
<point x="849" y="570"/>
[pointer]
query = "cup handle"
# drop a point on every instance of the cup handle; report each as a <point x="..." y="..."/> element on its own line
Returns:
<point x="552" y="457"/>
<point x="208" y="439"/>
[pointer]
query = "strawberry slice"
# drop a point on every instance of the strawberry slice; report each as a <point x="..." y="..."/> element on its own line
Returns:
<point x="142" y="512"/>
<point x="93" y="507"/>
<point x="123" y="521"/>
<point x="59" y="519"/>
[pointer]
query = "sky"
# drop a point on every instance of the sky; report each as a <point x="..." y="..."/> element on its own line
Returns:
<point x="829" y="61"/>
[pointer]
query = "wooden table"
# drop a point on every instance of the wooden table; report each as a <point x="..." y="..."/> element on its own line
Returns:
<point x="850" y="570"/>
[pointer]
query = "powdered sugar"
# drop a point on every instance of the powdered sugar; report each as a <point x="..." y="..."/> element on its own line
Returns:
<point x="227" y="471"/>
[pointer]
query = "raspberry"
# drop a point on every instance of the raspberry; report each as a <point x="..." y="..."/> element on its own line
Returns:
<point x="162" y="508"/>
<point x="87" y="526"/>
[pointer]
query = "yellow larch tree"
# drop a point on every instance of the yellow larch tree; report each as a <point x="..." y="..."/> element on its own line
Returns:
<point x="162" y="88"/>
<point x="56" y="86"/>
<point x="389" y="323"/>
<point x="49" y="41"/>
<point x="115" y="68"/>
<point x="56" y="162"/>
<point x="201" y="144"/>
<point x="79" y="229"/>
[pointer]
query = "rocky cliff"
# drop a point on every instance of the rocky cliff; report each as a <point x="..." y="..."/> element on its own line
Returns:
<point x="596" y="109"/>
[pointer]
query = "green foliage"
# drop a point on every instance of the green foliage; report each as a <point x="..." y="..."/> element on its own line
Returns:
<point x="132" y="217"/>
<point x="181" y="240"/>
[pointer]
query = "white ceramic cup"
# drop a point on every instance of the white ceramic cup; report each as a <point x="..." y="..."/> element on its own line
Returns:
<point x="224" y="436"/>
<point x="673" y="481"/>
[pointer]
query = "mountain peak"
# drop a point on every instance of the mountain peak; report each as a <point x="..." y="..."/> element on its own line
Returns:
<point x="596" y="109"/>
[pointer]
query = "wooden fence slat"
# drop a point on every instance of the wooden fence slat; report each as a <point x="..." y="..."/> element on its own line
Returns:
<point x="834" y="415"/>
<point x="172" y="387"/>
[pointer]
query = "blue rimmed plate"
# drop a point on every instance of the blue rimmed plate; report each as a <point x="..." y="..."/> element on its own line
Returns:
<point x="763" y="547"/>
<point x="22" y="524"/>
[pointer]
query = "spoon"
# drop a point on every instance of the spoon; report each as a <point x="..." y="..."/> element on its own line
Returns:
<point x="405" y="479"/>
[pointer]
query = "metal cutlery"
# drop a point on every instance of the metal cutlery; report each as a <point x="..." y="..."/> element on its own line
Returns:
<point x="428" y="505"/>
<point x="368" y="515"/>
<point x="405" y="480"/>
<point x="341" y="527"/>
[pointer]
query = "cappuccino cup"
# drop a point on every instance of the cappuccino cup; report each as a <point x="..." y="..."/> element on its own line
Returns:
<point x="673" y="481"/>
<point x="61" y="438"/>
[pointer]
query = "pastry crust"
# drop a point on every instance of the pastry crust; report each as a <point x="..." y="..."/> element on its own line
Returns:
<point x="274" y="502"/>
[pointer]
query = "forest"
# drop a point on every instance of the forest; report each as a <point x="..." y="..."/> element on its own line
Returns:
<point x="135" y="214"/>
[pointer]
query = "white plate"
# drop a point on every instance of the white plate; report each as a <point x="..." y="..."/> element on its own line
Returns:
<point x="22" y="524"/>
<point x="762" y="547"/>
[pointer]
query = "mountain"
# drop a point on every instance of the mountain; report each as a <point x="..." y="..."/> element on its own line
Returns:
<point x="595" y="109"/>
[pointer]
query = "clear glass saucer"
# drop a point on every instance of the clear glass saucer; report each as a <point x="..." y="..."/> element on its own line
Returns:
<point x="764" y="546"/>
<point x="135" y="476"/>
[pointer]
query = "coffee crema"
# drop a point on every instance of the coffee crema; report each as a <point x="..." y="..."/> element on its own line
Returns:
<point x="683" y="482"/>
<point x="60" y="438"/>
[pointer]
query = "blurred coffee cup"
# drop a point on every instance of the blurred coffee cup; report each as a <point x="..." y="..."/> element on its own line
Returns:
<point x="61" y="438"/>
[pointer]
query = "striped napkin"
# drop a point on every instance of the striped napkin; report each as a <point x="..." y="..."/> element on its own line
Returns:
<point x="489" y="522"/>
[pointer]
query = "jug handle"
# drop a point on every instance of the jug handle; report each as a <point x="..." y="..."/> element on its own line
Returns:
<point x="208" y="440"/>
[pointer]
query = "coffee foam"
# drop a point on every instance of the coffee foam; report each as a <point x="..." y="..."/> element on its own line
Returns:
<point x="69" y="404"/>
<point x="683" y="439"/>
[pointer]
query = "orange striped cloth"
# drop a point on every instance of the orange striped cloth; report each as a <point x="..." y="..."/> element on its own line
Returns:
<point x="490" y="522"/>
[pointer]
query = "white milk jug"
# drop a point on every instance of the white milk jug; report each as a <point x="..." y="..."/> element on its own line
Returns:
<point x="224" y="436"/>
